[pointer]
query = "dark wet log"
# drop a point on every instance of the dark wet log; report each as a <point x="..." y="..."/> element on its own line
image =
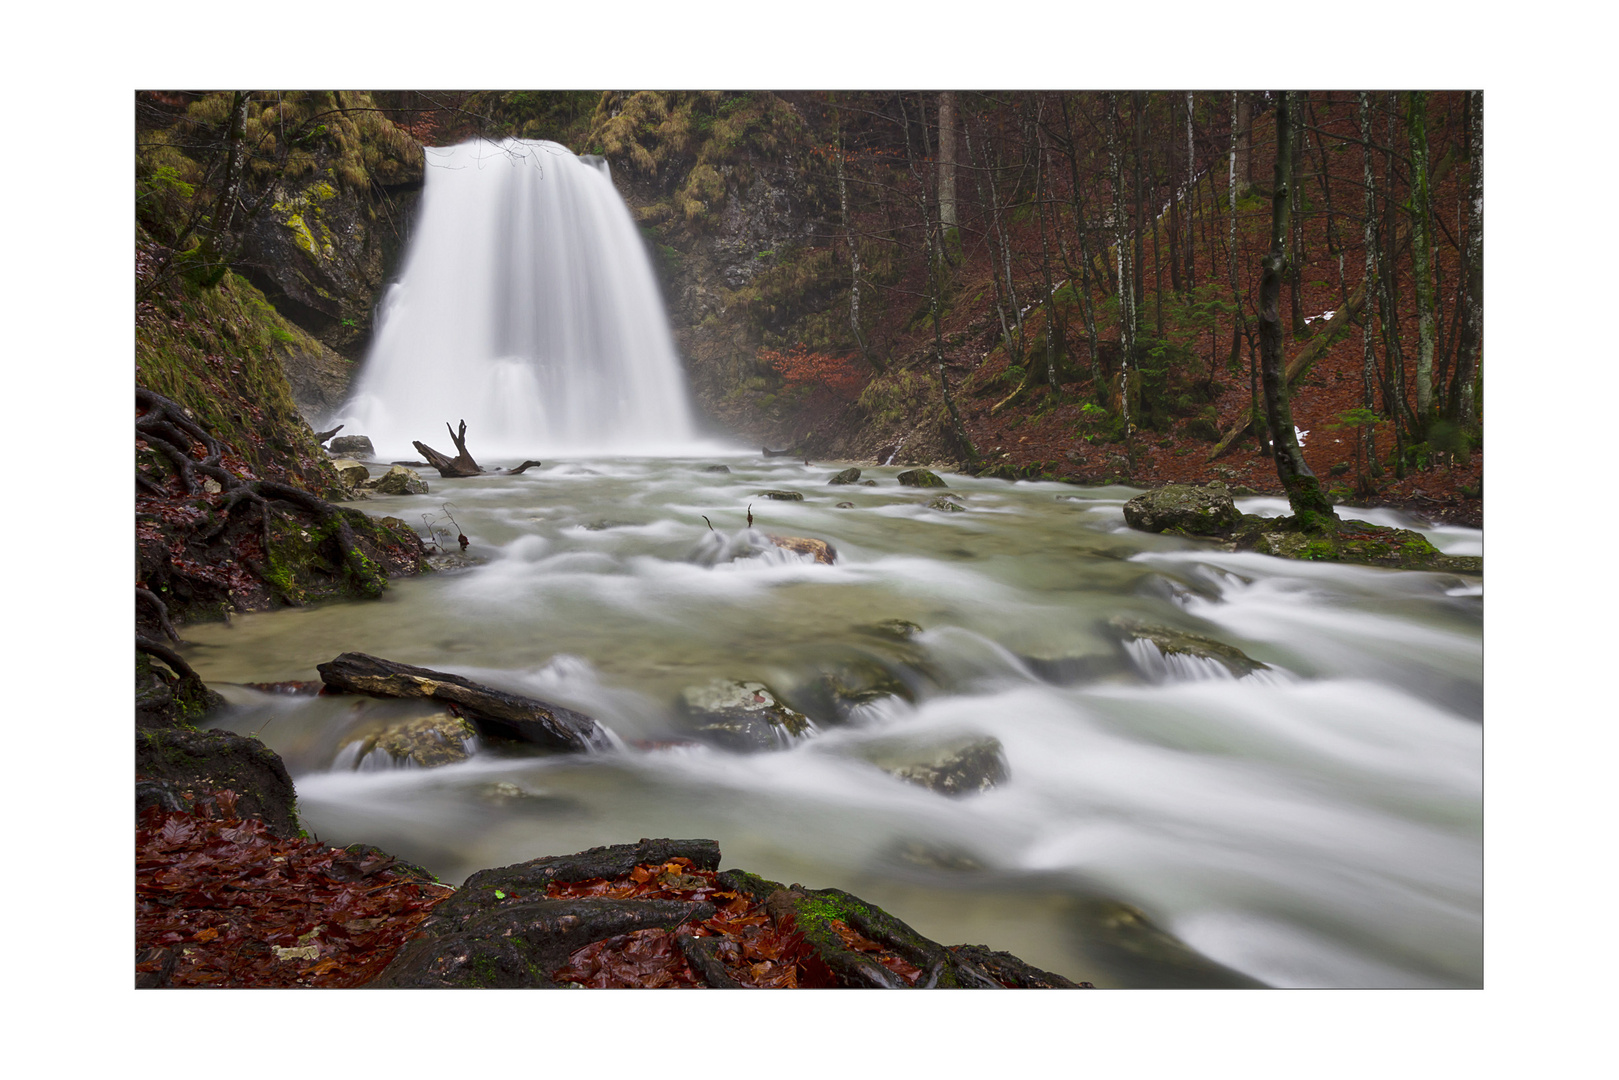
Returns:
<point x="522" y="467"/>
<point x="493" y="712"/>
<point x="322" y="436"/>
<point x="460" y="465"/>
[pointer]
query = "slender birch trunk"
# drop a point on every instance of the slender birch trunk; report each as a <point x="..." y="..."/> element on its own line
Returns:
<point x="1368" y="356"/>
<point x="947" y="160"/>
<point x="1421" y="254"/>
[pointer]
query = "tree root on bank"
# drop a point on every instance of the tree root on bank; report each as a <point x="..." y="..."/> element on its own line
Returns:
<point x="168" y="428"/>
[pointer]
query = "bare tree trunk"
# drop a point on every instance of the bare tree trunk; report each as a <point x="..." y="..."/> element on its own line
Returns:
<point x="947" y="160"/>
<point x="1421" y="254"/>
<point x="1231" y="249"/>
<point x="1368" y="357"/>
<point x="1191" y="195"/>
<point x="1243" y="141"/>
<point x="1469" y="347"/>
<point x="1295" y="258"/>
<point x="1310" y="505"/>
<point x="1127" y="315"/>
<point x="854" y="262"/>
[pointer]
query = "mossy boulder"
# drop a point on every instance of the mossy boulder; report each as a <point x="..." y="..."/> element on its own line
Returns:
<point x="1335" y="540"/>
<point x="1171" y="642"/>
<point x="847" y="476"/>
<point x="1183" y="508"/>
<point x="187" y="766"/>
<point x="351" y="445"/>
<point x="921" y="478"/>
<point x="746" y="716"/>
<point x="351" y="472"/>
<point x="427" y="741"/>
<point x="943" y="503"/>
<point x="399" y="481"/>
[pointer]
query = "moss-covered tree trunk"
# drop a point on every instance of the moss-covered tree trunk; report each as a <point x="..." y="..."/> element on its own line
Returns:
<point x="1304" y="494"/>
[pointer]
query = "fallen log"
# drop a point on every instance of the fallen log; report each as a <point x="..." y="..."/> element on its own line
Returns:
<point x="493" y="712"/>
<point x="322" y="436"/>
<point x="775" y="453"/>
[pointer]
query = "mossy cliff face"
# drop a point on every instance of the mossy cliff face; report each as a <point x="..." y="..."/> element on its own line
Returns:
<point x="220" y="353"/>
<point x="735" y="208"/>
<point x="329" y="185"/>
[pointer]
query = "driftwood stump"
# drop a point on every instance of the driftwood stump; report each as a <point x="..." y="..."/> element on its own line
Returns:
<point x="460" y="465"/>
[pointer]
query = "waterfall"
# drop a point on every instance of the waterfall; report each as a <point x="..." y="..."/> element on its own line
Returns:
<point x="527" y="307"/>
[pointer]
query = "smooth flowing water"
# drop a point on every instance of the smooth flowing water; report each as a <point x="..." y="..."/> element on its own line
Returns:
<point x="1316" y="823"/>
<point x="526" y="306"/>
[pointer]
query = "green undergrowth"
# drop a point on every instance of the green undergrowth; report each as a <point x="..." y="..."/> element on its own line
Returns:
<point x="217" y="351"/>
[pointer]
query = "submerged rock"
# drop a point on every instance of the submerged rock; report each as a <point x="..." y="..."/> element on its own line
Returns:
<point x="943" y="503"/>
<point x="742" y="716"/>
<point x="897" y="629"/>
<point x="847" y="476"/>
<point x="715" y="468"/>
<point x="820" y="550"/>
<point x="351" y="445"/>
<point x="1123" y="937"/>
<point x="1171" y="642"/>
<point x="965" y="766"/>
<point x="1185" y="508"/>
<point x="922" y="478"/>
<point x="399" y="480"/>
<point x="784" y="496"/>
<point x="427" y="741"/>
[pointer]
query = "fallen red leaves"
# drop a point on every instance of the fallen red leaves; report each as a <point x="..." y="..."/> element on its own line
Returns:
<point x="239" y="907"/>
<point x="757" y="951"/>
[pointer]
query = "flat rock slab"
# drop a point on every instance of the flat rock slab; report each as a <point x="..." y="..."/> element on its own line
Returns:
<point x="493" y="712"/>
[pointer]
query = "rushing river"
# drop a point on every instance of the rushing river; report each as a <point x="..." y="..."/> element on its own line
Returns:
<point x="1315" y="823"/>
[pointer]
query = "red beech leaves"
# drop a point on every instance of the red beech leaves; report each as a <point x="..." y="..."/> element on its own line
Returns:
<point x="239" y="907"/>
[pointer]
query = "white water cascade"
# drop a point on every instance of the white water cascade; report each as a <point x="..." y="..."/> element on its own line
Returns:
<point x="528" y="308"/>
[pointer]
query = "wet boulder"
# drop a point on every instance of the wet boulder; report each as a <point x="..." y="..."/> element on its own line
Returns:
<point x="352" y="446"/>
<point x="847" y="476"/>
<point x="427" y="741"/>
<point x="1183" y="508"/>
<point x="1171" y="643"/>
<point x="715" y="468"/>
<point x="399" y="480"/>
<point x="1123" y="937"/>
<point x="351" y="472"/>
<point x="745" y="716"/>
<point x="922" y="478"/>
<point x="964" y="766"/>
<point x="943" y="503"/>
<point x="783" y="496"/>
<point x="819" y="550"/>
